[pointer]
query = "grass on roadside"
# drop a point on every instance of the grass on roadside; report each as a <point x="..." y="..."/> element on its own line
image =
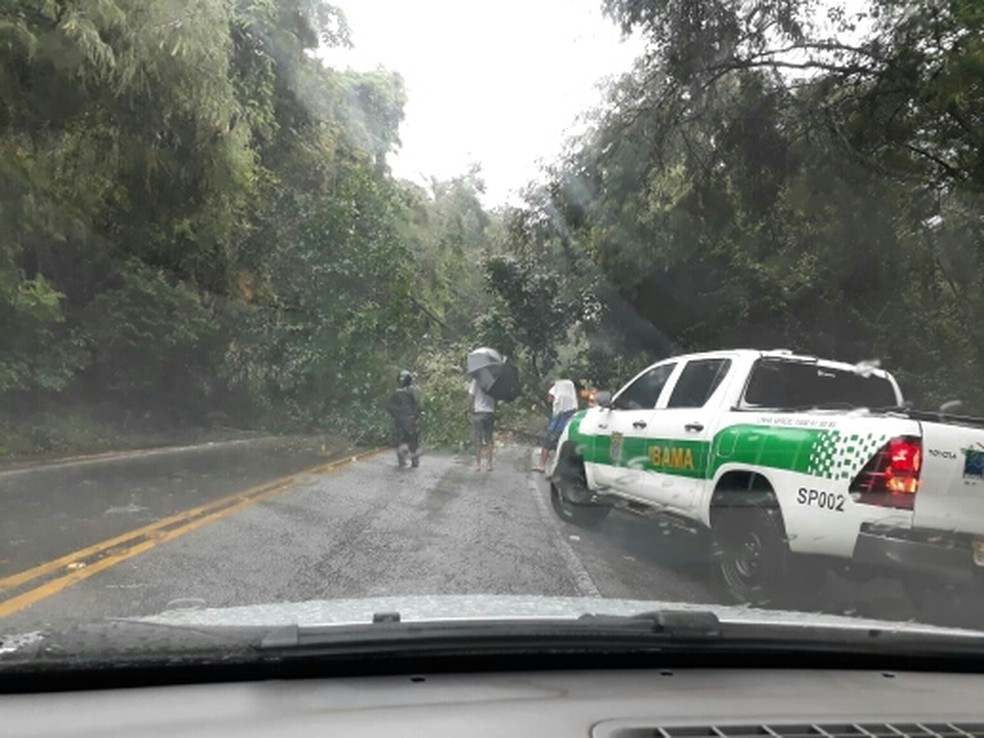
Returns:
<point x="79" y="430"/>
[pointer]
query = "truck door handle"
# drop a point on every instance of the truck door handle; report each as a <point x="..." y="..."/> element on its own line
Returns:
<point x="694" y="427"/>
<point x="602" y="426"/>
<point x="639" y="424"/>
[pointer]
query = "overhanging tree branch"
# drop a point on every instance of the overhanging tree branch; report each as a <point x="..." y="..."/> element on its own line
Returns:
<point x="948" y="168"/>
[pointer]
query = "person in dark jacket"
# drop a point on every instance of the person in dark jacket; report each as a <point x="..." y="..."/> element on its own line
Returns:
<point x="404" y="405"/>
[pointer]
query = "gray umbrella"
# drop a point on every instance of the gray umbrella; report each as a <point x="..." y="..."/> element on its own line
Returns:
<point x="493" y="374"/>
<point x="481" y="358"/>
<point x="487" y="375"/>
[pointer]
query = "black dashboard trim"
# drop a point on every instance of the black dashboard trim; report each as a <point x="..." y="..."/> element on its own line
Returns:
<point x="51" y="677"/>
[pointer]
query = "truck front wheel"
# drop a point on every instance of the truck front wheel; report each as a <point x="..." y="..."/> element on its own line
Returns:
<point x="569" y="500"/>
<point x="569" y="494"/>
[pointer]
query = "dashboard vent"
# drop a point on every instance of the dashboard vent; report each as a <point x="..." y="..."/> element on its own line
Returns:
<point x="816" y="730"/>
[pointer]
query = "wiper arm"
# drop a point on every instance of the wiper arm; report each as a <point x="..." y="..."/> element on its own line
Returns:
<point x="683" y="623"/>
<point x="290" y="636"/>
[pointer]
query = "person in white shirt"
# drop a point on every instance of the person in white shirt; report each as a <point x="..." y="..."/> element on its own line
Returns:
<point x="563" y="397"/>
<point x="481" y="410"/>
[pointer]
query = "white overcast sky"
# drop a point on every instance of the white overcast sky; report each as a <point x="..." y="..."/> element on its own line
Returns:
<point x="499" y="84"/>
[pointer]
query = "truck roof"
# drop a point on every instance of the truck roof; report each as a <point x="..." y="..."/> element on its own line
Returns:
<point x="788" y="355"/>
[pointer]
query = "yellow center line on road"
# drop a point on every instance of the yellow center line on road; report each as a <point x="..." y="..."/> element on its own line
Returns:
<point x="16" y="580"/>
<point x="143" y="539"/>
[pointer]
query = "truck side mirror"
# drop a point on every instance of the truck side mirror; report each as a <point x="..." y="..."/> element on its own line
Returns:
<point x="604" y="399"/>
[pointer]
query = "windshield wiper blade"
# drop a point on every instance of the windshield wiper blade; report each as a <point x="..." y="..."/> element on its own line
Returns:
<point x="647" y="634"/>
<point x="658" y="626"/>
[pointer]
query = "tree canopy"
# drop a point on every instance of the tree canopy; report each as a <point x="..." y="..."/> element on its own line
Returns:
<point x="758" y="181"/>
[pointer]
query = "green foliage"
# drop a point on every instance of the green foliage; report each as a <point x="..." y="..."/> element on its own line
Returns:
<point x="31" y="356"/>
<point x="198" y="220"/>
<point x="529" y="314"/>
<point x="341" y="310"/>
<point x="146" y="327"/>
<point x="443" y="385"/>
<point x="450" y="234"/>
<point x="373" y="111"/>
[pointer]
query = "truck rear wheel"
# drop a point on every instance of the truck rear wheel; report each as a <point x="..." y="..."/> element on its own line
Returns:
<point x="752" y="556"/>
<point x="750" y="550"/>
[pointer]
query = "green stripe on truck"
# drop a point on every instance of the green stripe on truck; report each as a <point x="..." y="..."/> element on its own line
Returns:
<point x="821" y="453"/>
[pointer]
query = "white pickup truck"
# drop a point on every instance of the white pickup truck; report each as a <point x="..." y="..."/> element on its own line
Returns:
<point x="786" y="459"/>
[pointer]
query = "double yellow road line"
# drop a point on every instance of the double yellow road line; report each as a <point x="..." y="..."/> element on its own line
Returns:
<point x="54" y="576"/>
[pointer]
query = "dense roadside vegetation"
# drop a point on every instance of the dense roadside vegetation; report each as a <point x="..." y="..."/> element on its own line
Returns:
<point x="780" y="173"/>
<point x="199" y="228"/>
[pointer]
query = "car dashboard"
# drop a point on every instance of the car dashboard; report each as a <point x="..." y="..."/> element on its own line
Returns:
<point x="670" y="703"/>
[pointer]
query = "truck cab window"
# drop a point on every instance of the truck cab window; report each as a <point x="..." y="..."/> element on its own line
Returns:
<point x="793" y="384"/>
<point x="697" y="382"/>
<point x="644" y="392"/>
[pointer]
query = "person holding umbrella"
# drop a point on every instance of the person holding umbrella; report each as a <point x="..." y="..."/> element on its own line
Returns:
<point x="493" y="379"/>
<point x="481" y="409"/>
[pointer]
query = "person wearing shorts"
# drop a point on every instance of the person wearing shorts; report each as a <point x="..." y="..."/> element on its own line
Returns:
<point x="481" y="409"/>
<point x="563" y="398"/>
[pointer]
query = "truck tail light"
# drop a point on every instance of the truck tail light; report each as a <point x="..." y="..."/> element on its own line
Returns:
<point x="891" y="477"/>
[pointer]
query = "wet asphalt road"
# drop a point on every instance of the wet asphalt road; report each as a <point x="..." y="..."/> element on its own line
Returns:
<point x="364" y="529"/>
<point x="53" y="509"/>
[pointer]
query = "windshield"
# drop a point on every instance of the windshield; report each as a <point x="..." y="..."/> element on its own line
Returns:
<point x="777" y="383"/>
<point x="305" y="303"/>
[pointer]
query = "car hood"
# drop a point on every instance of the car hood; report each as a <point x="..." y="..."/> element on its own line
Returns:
<point x="204" y="632"/>
<point x="424" y="609"/>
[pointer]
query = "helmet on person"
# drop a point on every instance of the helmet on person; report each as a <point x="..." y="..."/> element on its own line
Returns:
<point x="404" y="378"/>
